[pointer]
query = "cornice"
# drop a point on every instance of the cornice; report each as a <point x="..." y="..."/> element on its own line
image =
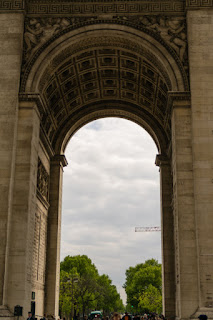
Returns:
<point x="35" y="97"/>
<point x="179" y="95"/>
<point x="59" y="159"/>
<point x="198" y="4"/>
<point x="162" y="160"/>
<point x="12" y="5"/>
<point x="88" y="7"/>
<point x="179" y="100"/>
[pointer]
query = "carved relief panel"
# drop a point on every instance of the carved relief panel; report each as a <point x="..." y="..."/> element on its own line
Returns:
<point x="172" y="29"/>
<point x="42" y="181"/>
<point x="39" y="249"/>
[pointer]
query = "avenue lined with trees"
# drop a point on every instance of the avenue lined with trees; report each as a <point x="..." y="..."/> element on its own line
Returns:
<point x="82" y="289"/>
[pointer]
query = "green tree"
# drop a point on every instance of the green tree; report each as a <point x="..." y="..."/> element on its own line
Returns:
<point x="151" y="300"/>
<point x="138" y="279"/>
<point x="81" y="264"/>
<point x="85" y="290"/>
<point x="89" y="291"/>
<point x="67" y="297"/>
<point x="109" y="299"/>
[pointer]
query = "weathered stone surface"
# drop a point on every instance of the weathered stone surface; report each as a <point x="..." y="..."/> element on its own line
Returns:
<point x="11" y="35"/>
<point x="201" y="61"/>
<point x="22" y="221"/>
<point x="84" y="60"/>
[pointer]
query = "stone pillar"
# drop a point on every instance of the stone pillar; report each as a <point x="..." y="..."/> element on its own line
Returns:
<point x="200" y="41"/>
<point x="167" y="238"/>
<point x="184" y="213"/>
<point x="54" y="236"/>
<point x="20" y="243"/>
<point x="11" y="35"/>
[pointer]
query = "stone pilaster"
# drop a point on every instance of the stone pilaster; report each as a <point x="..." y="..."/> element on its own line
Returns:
<point x="183" y="207"/>
<point x="200" y="41"/>
<point x="21" y="224"/>
<point x="11" y="35"/>
<point x="167" y="238"/>
<point x="54" y="236"/>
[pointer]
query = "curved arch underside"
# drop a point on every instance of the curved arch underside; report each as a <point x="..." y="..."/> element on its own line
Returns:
<point x="111" y="109"/>
<point x="82" y="77"/>
<point x="104" y="74"/>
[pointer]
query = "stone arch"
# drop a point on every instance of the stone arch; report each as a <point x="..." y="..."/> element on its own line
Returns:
<point x="89" y="71"/>
<point x="149" y="42"/>
<point x="94" y="70"/>
<point x="85" y="73"/>
<point x="111" y="109"/>
<point x="141" y="49"/>
<point x="33" y="137"/>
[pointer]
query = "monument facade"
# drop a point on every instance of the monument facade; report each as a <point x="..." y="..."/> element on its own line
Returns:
<point x="65" y="63"/>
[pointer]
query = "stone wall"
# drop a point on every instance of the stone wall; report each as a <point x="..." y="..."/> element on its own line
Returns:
<point x="11" y="35"/>
<point x="29" y="229"/>
<point x="186" y="269"/>
<point x="200" y="37"/>
<point x="40" y="231"/>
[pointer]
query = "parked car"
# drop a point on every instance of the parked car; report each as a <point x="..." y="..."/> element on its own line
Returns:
<point x="95" y="315"/>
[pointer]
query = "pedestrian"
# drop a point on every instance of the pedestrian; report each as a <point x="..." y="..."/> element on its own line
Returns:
<point x="30" y="316"/>
<point x="203" y="317"/>
<point x="44" y="317"/>
<point x="116" y="316"/>
<point x="126" y="316"/>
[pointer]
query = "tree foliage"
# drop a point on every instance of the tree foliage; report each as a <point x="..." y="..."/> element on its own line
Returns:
<point x="140" y="281"/>
<point x="83" y="289"/>
<point x="151" y="299"/>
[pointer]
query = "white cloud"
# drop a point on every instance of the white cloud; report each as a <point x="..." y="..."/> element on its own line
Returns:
<point x="110" y="186"/>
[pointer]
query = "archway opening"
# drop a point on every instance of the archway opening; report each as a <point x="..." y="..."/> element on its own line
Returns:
<point x="88" y="77"/>
<point x="111" y="185"/>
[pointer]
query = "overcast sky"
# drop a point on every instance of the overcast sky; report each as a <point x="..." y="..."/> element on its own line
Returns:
<point x="111" y="185"/>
